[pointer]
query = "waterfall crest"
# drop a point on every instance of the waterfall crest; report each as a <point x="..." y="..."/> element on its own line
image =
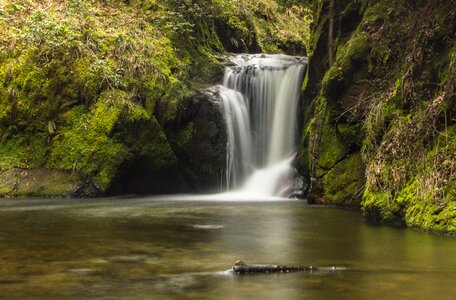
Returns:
<point x="260" y="95"/>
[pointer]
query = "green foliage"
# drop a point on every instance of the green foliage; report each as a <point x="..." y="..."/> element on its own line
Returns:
<point x="393" y="75"/>
<point x="183" y="16"/>
<point x="42" y="29"/>
<point x="280" y="25"/>
<point x="421" y="180"/>
<point x="56" y="65"/>
<point x="87" y="86"/>
<point x="22" y="151"/>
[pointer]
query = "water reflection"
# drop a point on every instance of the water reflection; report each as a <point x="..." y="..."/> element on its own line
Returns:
<point x="153" y="248"/>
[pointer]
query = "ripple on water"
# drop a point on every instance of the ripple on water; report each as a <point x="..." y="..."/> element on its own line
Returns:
<point x="214" y="226"/>
<point x="82" y="271"/>
<point x="12" y="280"/>
<point x="128" y="258"/>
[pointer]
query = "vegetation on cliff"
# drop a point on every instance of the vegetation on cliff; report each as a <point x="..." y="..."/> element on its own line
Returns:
<point x="388" y="97"/>
<point x="92" y="90"/>
<point x="101" y="97"/>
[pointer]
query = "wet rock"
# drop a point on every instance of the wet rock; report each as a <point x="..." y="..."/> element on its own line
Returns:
<point x="295" y="188"/>
<point x="39" y="182"/>
<point x="199" y="142"/>
<point x="300" y="187"/>
<point x="86" y="189"/>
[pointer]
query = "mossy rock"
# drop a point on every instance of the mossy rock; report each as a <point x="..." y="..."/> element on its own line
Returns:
<point x="332" y="147"/>
<point x="40" y="182"/>
<point x="86" y="144"/>
<point x="350" y="59"/>
<point x="199" y="141"/>
<point x="379" y="207"/>
<point x="425" y="213"/>
<point x="343" y="184"/>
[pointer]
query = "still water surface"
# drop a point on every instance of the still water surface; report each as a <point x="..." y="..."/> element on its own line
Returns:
<point x="168" y="248"/>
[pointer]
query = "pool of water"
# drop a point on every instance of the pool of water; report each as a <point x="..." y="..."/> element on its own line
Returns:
<point x="172" y="248"/>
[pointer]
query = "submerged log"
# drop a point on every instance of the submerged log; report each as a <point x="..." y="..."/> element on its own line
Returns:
<point x="243" y="268"/>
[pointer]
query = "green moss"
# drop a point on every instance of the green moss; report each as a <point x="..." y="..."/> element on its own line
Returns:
<point x="354" y="50"/>
<point x="155" y="148"/>
<point x="330" y="149"/>
<point x="66" y="60"/>
<point x="392" y="75"/>
<point x="349" y="55"/>
<point x="185" y="135"/>
<point x="327" y="142"/>
<point x="23" y="151"/>
<point x="279" y="27"/>
<point x="349" y="134"/>
<point x="332" y="79"/>
<point x="380" y="207"/>
<point x="85" y="143"/>
<point x="448" y="66"/>
<point x="427" y="200"/>
<point x="424" y="213"/>
<point x="373" y="199"/>
<point x="344" y="183"/>
<point x="304" y="157"/>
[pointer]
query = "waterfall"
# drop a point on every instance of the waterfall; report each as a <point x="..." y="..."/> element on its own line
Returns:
<point x="260" y="95"/>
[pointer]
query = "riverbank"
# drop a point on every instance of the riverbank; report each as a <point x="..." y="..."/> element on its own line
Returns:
<point x="105" y="96"/>
<point x="380" y="118"/>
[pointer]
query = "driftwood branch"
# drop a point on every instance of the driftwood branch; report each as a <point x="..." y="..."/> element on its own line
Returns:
<point x="243" y="268"/>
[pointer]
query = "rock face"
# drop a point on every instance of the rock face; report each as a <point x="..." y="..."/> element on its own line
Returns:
<point x="197" y="142"/>
<point x="185" y="155"/>
<point x="379" y="125"/>
<point x="200" y="142"/>
<point x="41" y="182"/>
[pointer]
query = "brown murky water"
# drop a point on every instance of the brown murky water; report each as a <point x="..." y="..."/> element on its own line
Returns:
<point x="165" y="248"/>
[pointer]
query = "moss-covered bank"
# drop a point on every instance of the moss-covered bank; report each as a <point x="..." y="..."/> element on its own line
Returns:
<point x="101" y="95"/>
<point x="381" y="113"/>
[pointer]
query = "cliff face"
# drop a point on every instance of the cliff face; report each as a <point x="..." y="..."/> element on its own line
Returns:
<point x="102" y="96"/>
<point x="380" y="118"/>
<point x="105" y="97"/>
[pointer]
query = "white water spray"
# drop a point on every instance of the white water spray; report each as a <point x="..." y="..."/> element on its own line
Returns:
<point x="260" y="95"/>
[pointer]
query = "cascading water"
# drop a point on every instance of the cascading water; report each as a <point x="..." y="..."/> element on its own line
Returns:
<point x="260" y="95"/>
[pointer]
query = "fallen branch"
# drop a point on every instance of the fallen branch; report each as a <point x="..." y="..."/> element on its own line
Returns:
<point x="243" y="268"/>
